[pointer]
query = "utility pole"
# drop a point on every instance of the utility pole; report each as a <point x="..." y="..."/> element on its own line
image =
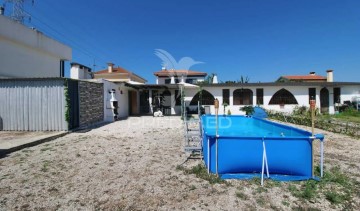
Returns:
<point x="18" y="13"/>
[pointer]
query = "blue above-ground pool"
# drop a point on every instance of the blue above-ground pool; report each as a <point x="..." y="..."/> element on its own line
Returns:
<point x="247" y="147"/>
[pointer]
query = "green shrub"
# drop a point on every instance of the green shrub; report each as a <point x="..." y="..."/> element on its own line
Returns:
<point x="247" y="109"/>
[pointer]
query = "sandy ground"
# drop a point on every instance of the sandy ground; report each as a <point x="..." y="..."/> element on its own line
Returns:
<point x="132" y="165"/>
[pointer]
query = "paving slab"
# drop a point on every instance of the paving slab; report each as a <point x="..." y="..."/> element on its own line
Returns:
<point x="11" y="141"/>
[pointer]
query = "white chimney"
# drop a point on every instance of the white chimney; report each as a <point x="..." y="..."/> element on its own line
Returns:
<point x="330" y="76"/>
<point x="163" y="68"/>
<point x="172" y="80"/>
<point x="312" y="73"/>
<point x="2" y="10"/>
<point x="215" y="79"/>
<point x="110" y="67"/>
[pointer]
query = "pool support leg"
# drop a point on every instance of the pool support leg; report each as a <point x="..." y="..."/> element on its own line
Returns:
<point x="321" y="158"/>
<point x="216" y="157"/>
<point x="264" y="164"/>
<point x="312" y="107"/>
<point x="216" y="105"/>
<point x="208" y="154"/>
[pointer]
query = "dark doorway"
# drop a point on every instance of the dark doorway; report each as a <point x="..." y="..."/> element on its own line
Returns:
<point x="133" y="103"/>
<point x="205" y="98"/>
<point x="166" y="102"/>
<point x="242" y="97"/>
<point x="324" y="101"/>
<point x="144" y="102"/>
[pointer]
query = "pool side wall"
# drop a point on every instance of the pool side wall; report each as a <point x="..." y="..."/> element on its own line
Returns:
<point x="286" y="155"/>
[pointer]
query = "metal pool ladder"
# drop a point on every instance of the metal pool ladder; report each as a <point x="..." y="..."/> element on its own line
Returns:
<point x="193" y="136"/>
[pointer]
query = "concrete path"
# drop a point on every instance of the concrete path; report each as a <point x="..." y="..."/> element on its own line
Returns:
<point x="11" y="141"/>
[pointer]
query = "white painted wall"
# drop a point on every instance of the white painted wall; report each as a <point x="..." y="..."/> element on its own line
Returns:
<point x="28" y="53"/>
<point x="348" y="93"/>
<point x="161" y="80"/>
<point x="123" y="100"/>
<point x="301" y="94"/>
<point x="79" y="72"/>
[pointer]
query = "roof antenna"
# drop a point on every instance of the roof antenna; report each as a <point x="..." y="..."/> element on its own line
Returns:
<point x="18" y="13"/>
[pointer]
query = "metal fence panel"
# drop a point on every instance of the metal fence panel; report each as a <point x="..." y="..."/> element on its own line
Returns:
<point x="32" y="105"/>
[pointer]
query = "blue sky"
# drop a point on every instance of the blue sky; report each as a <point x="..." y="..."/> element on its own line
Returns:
<point x="260" y="39"/>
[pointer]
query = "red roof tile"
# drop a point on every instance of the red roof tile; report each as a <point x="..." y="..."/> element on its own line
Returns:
<point x="115" y="70"/>
<point x="179" y="73"/>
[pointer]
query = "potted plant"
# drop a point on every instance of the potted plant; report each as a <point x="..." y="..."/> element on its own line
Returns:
<point x="229" y="112"/>
<point x="248" y="110"/>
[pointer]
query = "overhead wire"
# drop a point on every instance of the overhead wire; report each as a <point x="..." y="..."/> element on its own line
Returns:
<point x="83" y="30"/>
<point x="67" y="39"/>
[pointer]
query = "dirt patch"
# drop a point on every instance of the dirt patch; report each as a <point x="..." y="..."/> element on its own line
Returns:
<point x="138" y="164"/>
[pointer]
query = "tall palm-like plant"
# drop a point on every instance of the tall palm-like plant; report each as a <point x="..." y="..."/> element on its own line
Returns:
<point x="244" y="80"/>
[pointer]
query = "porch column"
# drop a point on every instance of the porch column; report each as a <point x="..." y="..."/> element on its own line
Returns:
<point x="172" y="80"/>
<point x="254" y="103"/>
<point x="150" y="101"/>
<point x="231" y="102"/>
<point x="173" y="101"/>
<point x="317" y="98"/>
<point x="331" y="101"/>
<point x="182" y="79"/>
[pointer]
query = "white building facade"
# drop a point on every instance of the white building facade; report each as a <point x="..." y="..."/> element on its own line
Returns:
<point x="26" y="53"/>
<point x="179" y="76"/>
<point x="282" y="97"/>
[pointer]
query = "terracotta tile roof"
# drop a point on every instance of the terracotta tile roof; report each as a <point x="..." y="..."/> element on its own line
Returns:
<point x="179" y="73"/>
<point x="304" y="77"/>
<point x="115" y="70"/>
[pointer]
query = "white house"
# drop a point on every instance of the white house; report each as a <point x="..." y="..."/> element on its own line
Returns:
<point x="275" y="96"/>
<point x="165" y="76"/>
<point x="289" y="92"/>
<point x="279" y="96"/>
<point x="26" y="52"/>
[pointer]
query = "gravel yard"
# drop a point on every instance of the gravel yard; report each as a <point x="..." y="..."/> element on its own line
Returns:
<point x="139" y="164"/>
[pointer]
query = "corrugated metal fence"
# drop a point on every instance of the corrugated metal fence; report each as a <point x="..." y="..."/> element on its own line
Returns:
<point x="32" y="105"/>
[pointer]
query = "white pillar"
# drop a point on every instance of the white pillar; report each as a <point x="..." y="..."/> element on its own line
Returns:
<point x="317" y="98"/>
<point x="331" y="101"/>
<point x="182" y="79"/>
<point x="231" y="103"/>
<point x="157" y="80"/>
<point x="173" y="101"/>
<point x="172" y="80"/>
<point x="254" y="103"/>
<point x="150" y="101"/>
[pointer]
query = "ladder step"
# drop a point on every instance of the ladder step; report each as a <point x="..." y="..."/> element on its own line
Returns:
<point x="193" y="148"/>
